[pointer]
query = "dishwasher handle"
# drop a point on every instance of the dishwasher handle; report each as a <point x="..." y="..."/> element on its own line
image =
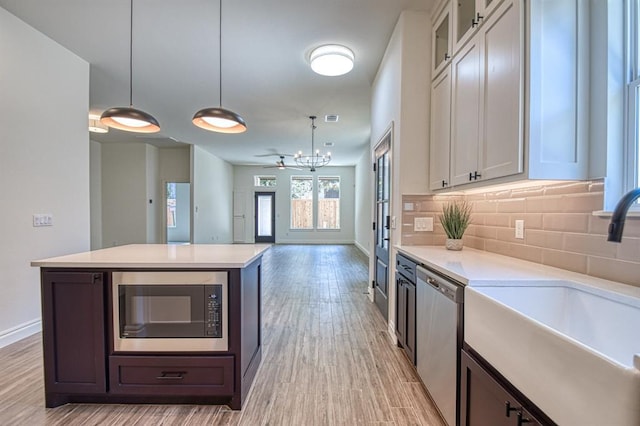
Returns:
<point x="450" y="289"/>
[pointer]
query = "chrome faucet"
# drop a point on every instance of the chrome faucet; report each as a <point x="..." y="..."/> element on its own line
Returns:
<point x="620" y="213"/>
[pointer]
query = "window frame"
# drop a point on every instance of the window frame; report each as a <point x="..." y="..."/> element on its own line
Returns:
<point x="257" y="179"/>
<point x="631" y="168"/>
<point x="317" y="224"/>
<point x="313" y="197"/>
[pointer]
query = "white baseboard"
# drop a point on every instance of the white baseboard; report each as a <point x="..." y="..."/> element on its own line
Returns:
<point x="392" y="332"/>
<point x="19" y="332"/>
<point x="362" y="248"/>
<point x="324" y="242"/>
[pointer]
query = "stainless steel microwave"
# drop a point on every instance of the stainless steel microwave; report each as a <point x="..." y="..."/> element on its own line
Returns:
<point x="170" y="311"/>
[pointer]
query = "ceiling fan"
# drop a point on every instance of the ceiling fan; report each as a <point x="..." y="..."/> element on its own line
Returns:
<point x="280" y="165"/>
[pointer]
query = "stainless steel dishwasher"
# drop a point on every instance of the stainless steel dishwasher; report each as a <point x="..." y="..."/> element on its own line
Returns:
<point x="439" y="335"/>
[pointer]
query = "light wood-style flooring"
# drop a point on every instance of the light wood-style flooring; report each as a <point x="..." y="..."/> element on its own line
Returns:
<point x="327" y="359"/>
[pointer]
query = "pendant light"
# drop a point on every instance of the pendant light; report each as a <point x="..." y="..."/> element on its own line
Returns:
<point x="128" y="118"/>
<point x="219" y="119"/>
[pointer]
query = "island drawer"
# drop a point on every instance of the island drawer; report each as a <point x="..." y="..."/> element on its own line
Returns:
<point x="171" y="375"/>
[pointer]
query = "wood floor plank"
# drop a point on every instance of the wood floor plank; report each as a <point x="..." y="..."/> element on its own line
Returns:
<point x="327" y="360"/>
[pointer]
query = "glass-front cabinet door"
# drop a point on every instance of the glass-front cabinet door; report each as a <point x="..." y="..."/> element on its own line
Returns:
<point x="441" y="40"/>
<point x="468" y="16"/>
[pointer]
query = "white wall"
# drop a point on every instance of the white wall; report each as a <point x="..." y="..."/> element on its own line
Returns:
<point x="95" y="192"/>
<point x="244" y="181"/>
<point x="400" y="100"/>
<point x="154" y="198"/>
<point x="124" y="194"/>
<point x="364" y="203"/>
<point x="212" y="195"/>
<point x="44" y="164"/>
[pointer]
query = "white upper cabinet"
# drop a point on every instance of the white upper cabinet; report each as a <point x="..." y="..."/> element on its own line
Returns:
<point x="441" y="40"/>
<point x="466" y="96"/>
<point x="440" y="137"/>
<point x="501" y="141"/>
<point x="468" y="17"/>
<point x="519" y="106"/>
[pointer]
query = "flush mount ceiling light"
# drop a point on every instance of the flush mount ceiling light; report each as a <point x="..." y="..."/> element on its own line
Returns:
<point x="95" y="126"/>
<point x="219" y="119"/>
<point x="331" y="60"/>
<point x="128" y="118"/>
<point x="315" y="159"/>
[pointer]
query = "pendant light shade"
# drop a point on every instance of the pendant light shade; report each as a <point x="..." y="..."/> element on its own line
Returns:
<point x="128" y="118"/>
<point x="219" y="119"/>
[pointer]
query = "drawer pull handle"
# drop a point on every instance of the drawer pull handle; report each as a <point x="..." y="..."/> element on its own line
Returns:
<point x="171" y="375"/>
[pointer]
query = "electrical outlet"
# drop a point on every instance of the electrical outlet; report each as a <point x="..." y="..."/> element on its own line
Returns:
<point x="520" y="229"/>
<point x="421" y="224"/>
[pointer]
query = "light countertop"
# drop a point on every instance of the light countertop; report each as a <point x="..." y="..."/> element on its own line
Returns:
<point x="477" y="268"/>
<point x="189" y="256"/>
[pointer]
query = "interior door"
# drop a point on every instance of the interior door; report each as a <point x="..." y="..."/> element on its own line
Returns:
<point x="381" y="226"/>
<point x="265" y="225"/>
<point x="239" y="215"/>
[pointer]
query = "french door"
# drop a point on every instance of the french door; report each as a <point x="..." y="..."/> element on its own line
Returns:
<point x="382" y="173"/>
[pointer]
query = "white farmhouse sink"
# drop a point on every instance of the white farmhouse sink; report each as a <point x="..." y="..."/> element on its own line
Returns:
<point x="569" y="347"/>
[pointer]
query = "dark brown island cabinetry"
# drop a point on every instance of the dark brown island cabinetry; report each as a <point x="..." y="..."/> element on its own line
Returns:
<point x="487" y="399"/>
<point x="74" y="333"/>
<point x="81" y="366"/>
<point x="406" y="305"/>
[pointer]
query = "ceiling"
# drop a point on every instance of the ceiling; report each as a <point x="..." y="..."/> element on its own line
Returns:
<point x="266" y="77"/>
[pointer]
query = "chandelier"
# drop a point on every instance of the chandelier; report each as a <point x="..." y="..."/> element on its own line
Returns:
<point x="315" y="159"/>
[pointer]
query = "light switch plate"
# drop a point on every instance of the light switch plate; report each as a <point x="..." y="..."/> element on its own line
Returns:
<point x="42" y="219"/>
<point x="421" y="224"/>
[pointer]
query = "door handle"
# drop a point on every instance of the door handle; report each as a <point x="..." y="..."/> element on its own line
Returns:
<point x="387" y="222"/>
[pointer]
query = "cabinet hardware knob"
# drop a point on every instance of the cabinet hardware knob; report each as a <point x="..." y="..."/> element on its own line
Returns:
<point x="446" y="56"/>
<point x="522" y="420"/>
<point x="508" y="409"/>
<point x="444" y="183"/>
<point x="479" y="17"/>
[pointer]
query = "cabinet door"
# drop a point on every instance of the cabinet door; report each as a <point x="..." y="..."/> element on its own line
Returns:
<point x="410" y="322"/>
<point x="440" y="137"/>
<point x="501" y="152"/>
<point x="441" y="40"/>
<point x="74" y="332"/>
<point x="466" y="95"/>
<point x="465" y="21"/>
<point x="485" y="402"/>
<point x="400" y="310"/>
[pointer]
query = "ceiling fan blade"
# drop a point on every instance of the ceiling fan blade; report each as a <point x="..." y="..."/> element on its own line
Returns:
<point x="273" y="155"/>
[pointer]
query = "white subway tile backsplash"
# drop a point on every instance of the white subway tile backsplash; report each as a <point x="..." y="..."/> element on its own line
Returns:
<point x="560" y="229"/>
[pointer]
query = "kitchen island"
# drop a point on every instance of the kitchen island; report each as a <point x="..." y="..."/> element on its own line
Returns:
<point x="176" y="298"/>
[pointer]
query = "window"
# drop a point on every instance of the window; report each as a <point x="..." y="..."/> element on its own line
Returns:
<point x="269" y="181"/>
<point x="328" y="203"/>
<point x="301" y="202"/>
<point x="633" y="95"/>
<point x="171" y="205"/>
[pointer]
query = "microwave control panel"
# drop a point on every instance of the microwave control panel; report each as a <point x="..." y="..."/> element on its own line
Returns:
<point x="214" y="310"/>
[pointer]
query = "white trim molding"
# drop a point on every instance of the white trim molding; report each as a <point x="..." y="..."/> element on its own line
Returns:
<point x="19" y="332"/>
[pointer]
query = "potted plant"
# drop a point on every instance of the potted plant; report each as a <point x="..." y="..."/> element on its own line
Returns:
<point x="454" y="219"/>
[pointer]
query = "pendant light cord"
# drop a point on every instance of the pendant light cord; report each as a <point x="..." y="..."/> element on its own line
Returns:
<point x="131" y="55"/>
<point x="313" y="128"/>
<point x="220" y="52"/>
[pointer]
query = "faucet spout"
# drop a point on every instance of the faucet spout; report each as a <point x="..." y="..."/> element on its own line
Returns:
<point x="620" y="213"/>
